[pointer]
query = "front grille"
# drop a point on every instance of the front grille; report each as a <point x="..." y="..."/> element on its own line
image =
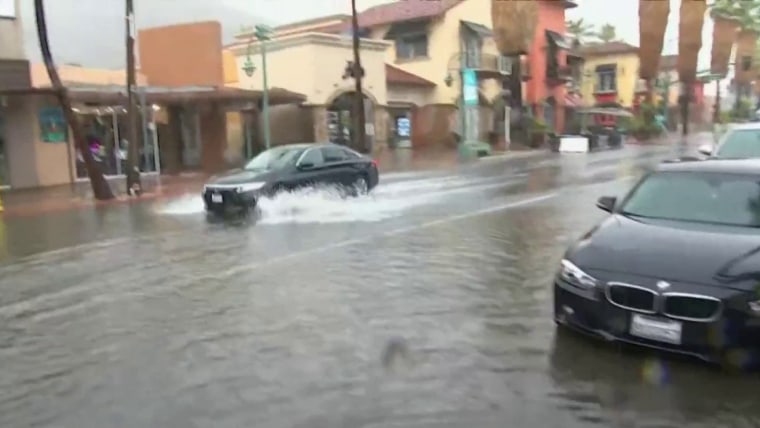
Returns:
<point x="631" y="297"/>
<point x="691" y="307"/>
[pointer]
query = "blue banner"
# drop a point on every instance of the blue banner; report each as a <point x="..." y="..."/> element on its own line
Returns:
<point x="470" y="87"/>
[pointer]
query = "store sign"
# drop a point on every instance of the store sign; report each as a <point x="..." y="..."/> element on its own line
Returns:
<point x="8" y="9"/>
<point x="53" y="127"/>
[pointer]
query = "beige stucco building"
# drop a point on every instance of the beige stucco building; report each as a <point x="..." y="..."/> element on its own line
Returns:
<point x="412" y="57"/>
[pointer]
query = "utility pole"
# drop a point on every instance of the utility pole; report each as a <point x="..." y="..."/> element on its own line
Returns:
<point x="133" y="152"/>
<point x="359" y="134"/>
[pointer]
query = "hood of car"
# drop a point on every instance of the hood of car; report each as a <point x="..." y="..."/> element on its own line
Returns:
<point x="677" y="252"/>
<point x="242" y="176"/>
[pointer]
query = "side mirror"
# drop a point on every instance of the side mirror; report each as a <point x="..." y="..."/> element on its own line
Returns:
<point x="706" y="149"/>
<point x="606" y="203"/>
<point x="305" y="165"/>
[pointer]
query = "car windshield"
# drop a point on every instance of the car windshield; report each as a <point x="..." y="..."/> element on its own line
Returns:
<point x="744" y="143"/>
<point x="724" y="199"/>
<point x="274" y="158"/>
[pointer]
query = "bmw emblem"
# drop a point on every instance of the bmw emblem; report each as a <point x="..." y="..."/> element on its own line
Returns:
<point x="663" y="285"/>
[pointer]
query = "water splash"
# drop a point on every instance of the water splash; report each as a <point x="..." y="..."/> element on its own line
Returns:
<point x="324" y="205"/>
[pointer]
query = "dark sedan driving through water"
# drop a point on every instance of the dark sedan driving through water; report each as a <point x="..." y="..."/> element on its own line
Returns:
<point x="287" y="168"/>
<point x="675" y="266"/>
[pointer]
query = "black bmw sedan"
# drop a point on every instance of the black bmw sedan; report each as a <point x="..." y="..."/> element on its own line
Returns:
<point x="290" y="167"/>
<point x="675" y="266"/>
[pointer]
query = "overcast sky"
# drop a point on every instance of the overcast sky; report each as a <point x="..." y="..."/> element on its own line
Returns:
<point x="90" y="32"/>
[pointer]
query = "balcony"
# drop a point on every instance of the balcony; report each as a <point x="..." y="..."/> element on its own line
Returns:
<point x="487" y="66"/>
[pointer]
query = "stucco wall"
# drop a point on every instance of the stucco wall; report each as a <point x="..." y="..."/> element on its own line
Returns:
<point x="314" y="67"/>
<point x="71" y="74"/>
<point x="182" y="55"/>
<point x="407" y="94"/>
<point x="627" y="76"/>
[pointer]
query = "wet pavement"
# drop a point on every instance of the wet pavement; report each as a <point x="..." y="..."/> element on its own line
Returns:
<point x="426" y="304"/>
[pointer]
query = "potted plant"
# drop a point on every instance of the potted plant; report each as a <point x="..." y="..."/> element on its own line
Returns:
<point x="537" y="133"/>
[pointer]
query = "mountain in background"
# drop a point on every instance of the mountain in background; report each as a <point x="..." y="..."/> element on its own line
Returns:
<point x="92" y="34"/>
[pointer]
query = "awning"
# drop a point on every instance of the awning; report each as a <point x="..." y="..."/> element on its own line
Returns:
<point x="557" y="40"/>
<point x="480" y="30"/>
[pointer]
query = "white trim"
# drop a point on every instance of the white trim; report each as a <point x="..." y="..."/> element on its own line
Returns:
<point x="309" y="38"/>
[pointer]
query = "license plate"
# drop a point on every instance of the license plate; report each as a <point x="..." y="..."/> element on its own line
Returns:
<point x="217" y="198"/>
<point x="659" y="329"/>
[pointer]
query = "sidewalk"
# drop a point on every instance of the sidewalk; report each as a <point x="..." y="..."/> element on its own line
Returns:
<point x="79" y="195"/>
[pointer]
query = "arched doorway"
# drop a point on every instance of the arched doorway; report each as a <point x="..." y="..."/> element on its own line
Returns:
<point x="340" y="121"/>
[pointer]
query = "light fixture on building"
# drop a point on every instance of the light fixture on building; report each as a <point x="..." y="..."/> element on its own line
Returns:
<point x="248" y="66"/>
<point x="449" y="79"/>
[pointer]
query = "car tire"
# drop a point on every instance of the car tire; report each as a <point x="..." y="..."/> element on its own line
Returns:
<point x="360" y="186"/>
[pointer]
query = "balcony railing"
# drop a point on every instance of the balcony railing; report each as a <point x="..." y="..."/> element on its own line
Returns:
<point x="487" y="65"/>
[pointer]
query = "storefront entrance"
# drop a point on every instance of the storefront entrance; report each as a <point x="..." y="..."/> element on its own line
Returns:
<point x="106" y="133"/>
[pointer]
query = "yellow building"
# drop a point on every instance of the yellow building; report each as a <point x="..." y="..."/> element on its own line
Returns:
<point x="610" y="74"/>
<point x="411" y="57"/>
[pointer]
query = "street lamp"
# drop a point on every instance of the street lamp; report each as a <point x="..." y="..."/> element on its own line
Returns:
<point x="263" y="33"/>
<point x="248" y="68"/>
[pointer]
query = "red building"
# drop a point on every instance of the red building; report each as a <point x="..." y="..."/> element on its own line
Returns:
<point x="551" y="65"/>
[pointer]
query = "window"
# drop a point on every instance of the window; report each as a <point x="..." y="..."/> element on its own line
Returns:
<point x="715" y="198"/>
<point x="472" y="45"/>
<point x="412" y="46"/>
<point x="333" y="154"/>
<point x="606" y="78"/>
<point x="312" y="156"/>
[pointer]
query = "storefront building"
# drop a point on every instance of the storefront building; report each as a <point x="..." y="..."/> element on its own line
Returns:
<point x="15" y="114"/>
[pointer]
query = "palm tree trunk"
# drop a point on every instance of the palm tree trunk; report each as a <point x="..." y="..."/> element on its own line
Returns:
<point x="134" y="186"/>
<point x="100" y="188"/>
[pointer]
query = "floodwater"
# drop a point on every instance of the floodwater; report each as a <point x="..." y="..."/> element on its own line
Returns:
<point x="425" y="304"/>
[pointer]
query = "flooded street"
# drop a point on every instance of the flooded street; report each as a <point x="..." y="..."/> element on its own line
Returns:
<point x="425" y="304"/>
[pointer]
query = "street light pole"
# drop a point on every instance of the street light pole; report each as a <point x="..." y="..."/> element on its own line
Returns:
<point x="248" y="69"/>
<point x="359" y="119"/>
<point x="263" y="34"/>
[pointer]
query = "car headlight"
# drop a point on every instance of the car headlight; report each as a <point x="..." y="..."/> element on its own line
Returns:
<point x="250" y="187"/>
<point x="575" y="276"/>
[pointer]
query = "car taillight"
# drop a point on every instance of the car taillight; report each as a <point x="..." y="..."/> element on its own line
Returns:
<point x="374" y="163"/>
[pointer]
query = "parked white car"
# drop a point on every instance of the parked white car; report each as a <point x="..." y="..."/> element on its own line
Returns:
<point x="738" y="142"/>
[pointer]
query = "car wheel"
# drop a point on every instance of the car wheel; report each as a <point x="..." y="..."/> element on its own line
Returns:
<point x="360" y="186"/>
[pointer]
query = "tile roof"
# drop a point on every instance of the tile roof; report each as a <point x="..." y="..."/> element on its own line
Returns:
<point x="609" y="48"/>
<point x="403" y="10"/>
<point x="401" y="77"/>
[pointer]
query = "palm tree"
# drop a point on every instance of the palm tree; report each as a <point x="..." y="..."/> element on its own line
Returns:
<point x="608" y="33"/>
<point x="579" y="29"/>
<point x="100" y="188"/>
